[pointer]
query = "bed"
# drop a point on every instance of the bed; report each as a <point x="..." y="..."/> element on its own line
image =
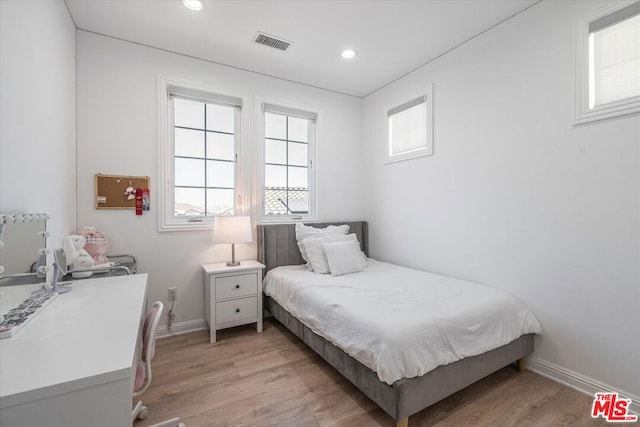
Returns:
<point x="402" y="397"/>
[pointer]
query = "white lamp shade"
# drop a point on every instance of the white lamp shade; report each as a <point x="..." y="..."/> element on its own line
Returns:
<point x="232" y="229"/>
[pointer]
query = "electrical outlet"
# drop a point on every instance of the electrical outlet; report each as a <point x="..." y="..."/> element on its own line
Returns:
<point x="173" y="294"/>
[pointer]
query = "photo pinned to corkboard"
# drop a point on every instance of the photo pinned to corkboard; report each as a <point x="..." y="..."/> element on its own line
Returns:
<point x="120" y="191"/>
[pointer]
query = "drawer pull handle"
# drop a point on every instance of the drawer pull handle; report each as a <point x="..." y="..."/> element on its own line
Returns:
<point x="237" y="310"/>
<point x="237" y="286"/>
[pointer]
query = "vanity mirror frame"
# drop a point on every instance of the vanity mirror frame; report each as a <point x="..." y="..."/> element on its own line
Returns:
<point x="40" y="255"/>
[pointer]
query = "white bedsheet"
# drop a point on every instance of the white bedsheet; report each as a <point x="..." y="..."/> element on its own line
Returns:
<point x="399" y="322"/>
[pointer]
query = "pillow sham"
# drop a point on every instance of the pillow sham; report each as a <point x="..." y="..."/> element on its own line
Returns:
<point x="343" y="257"/>
<point x="315" y="252"/>
<point x="306" y="231"/>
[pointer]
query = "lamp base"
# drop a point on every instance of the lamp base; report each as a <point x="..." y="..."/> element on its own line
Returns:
<point x="233" y="262"/>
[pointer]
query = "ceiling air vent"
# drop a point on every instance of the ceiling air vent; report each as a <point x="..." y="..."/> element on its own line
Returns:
<point x="272" y="41"/>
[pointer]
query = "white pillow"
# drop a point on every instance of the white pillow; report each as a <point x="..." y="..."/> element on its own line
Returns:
<point x="315" y="252"/>
<point x="305" y="232"/>
<point x="343" y="257"/>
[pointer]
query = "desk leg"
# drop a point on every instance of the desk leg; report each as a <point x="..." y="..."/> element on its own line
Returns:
<point x="212" y="334"/>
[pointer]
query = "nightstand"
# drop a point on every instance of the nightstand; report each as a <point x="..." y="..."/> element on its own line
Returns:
<point x="232" y="295"/>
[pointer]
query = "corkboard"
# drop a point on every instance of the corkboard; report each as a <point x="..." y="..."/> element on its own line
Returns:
<point x="111" y="190"/>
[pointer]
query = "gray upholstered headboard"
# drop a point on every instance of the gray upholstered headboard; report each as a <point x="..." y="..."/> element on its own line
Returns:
<point x="277" y="242"/>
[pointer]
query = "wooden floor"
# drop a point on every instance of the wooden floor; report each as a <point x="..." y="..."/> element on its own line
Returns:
<point x="272" y="379"/>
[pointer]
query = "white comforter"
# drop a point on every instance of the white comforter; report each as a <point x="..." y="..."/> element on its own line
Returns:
<point x="399" y="322"/>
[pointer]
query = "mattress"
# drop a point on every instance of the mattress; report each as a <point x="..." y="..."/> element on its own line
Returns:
<point x="399" y="322"/>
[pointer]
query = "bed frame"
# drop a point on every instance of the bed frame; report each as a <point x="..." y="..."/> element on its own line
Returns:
<point x="277" y="246"/>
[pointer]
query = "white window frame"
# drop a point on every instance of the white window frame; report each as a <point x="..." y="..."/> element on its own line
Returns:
<point x="293" y="109"/>
<point x="584" y="114"/>
<point x="167" y="221"/>
<point x="427" y="149"/>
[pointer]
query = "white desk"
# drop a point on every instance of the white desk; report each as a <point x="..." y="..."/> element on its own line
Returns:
<point x="72" y="365"/>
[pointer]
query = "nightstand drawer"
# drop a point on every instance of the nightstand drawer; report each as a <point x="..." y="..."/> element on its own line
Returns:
<point x="236" y="310"/>
<point x="236" y="286"/>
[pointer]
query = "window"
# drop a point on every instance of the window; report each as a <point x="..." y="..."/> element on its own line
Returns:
<point x="410" y="129"/>
<point x="199" y="140"/>
<point x="288" y="180"/>
<point x="204" y="158"/>
<point x="609" y="62"/>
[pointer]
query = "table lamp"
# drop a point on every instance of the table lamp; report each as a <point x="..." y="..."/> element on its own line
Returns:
<point x="232" y="229"/>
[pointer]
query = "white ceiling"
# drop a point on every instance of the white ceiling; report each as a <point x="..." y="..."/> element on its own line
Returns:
<point x="391" y="37"/>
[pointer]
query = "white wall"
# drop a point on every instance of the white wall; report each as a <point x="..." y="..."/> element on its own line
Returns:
<point x="37" y="112"/>
<point x="517" y="197"/>
<point x="117" y="135"/>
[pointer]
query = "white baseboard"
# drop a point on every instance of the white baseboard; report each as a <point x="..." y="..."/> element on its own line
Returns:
<point x="181" y="328"/>
<point x="578" y="381"/>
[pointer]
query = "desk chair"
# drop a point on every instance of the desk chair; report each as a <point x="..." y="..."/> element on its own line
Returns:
<point x="143" y="369"/>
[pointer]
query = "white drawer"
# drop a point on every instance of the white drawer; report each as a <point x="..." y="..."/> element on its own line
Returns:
<point x="236" y="286"/>
<point x="236" y="310"/>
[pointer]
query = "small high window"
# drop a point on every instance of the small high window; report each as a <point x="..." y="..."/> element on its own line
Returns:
<point x="609" y="62"/>
<point x="410" y="129"/>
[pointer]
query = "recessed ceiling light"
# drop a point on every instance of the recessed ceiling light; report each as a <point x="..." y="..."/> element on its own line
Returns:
<point x="192" y="4"/>
<point x="348" y="54"/>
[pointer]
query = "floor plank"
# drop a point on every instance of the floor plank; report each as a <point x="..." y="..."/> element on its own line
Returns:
<point x="273" y="379"/>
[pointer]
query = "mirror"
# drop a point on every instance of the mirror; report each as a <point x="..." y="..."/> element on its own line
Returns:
<point x="23" y="247"/>
<point x="60" y="258"/>
<point x="60" y="267"/>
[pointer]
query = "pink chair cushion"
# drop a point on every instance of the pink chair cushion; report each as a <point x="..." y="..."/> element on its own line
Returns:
<point x="149" y="344"/>
<point x="141" y="375"/>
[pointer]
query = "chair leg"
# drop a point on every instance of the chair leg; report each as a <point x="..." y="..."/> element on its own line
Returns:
<point x="139" y="412"/>
<point x="173" y="422"/>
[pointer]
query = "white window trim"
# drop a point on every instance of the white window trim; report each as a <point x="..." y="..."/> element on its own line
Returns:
<point x="428" y="149"/>
<point x="258" y="177"/>
<point x="584" y="114"/>
<point x="166" y="220"/>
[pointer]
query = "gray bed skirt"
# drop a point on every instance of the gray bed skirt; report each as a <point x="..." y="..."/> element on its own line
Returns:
<point x="410" y="395"/>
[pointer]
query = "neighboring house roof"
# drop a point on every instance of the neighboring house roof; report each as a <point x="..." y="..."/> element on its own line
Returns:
<point x="183" y="209"/>
<point x="275" y="199"/>
<point x="275" y="202"/>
